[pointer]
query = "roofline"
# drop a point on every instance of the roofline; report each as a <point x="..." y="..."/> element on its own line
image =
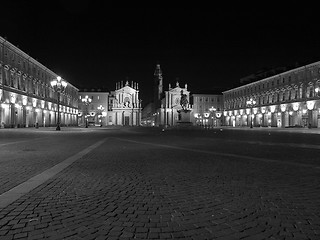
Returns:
<point x="29" y="58"/>
<point x="206" y="94"/>
<point x="277" y="75"/>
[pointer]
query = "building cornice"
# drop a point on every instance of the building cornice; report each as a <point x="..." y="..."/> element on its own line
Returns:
<point x="29" y="58"/>
<point x="274" y="76"/>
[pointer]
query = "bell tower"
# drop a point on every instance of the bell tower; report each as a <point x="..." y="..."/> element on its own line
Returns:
<point x="158" y="87"/>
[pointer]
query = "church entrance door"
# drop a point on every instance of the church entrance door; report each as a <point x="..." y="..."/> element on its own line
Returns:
<point x="126" y="121"/>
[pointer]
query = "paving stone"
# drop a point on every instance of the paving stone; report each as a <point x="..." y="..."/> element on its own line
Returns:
<point x="149" y="192"/>
<point x="20" y="236"/>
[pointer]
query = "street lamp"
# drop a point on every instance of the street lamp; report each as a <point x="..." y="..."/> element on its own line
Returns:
<point x="59" y="86"/>
<point x="100" y="108"/>
<point x="251" y="103"/>
<point x="86" y="101"/>
<point x="212" y="110"/>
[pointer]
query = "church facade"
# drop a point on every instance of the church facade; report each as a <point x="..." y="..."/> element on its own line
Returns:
<point x="121" y="107"/>
<point x="171" y="107"/>
<point x="124" y="105"/>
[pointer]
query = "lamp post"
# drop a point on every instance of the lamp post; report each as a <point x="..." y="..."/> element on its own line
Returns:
<point x="212" y="110"/>
<point x="251" y="103"/>
<point x="100" y="108"/>
<point x="59" y="87"/>
<point x="86" y="101"/>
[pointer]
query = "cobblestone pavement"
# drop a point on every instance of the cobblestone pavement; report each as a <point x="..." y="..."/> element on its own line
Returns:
<point x="25" y="153"/>
<point x="128" y="190"/>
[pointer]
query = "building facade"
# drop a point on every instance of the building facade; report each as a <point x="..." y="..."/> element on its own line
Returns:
<point x="27" y="98"/>
<point x="121" y="107"/>
<point x="93" y="107"/>
<point x="207" y="109"/>
<point x="169" y="112"/>
<point x="147" y="117"/>
<point x="287" y="99"/>
<point x="125" y="105"/>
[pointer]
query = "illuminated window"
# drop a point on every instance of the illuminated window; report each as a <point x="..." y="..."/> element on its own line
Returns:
<point x="300" y="92"/>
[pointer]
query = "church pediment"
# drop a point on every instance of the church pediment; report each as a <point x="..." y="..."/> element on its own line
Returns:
<point x="175" y="90"/>
<point x="126" y="89"/>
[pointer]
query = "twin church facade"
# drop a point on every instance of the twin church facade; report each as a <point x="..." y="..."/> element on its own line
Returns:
<point x="27" y="99"/>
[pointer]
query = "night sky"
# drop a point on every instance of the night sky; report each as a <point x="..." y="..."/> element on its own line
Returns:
<point x="94" y="45"/>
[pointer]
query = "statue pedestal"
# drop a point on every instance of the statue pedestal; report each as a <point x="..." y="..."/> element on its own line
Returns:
<point x="184" y="118"/>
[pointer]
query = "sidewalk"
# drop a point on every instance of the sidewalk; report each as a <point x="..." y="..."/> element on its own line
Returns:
<point x="63" y="129"/>
<point x="293" y="130"/>
<point x="73" y="129"/>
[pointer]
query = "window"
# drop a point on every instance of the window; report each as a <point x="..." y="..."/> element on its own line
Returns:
<point x="289" y="93"/>
<point x="311" y="91"/>
<point x="19" y="81"/>
<point x="12" y="79"/>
